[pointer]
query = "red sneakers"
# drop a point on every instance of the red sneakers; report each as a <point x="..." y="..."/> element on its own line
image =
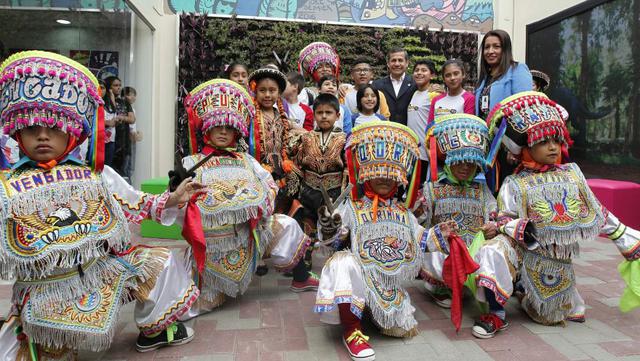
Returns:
<point x="358" y="348"/>
<point x="488" y="325"/>
<point x="311" y="284"/>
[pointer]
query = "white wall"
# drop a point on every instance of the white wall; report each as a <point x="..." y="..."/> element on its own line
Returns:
<point x="161" y="70"/>
<point x="513" y="16"/>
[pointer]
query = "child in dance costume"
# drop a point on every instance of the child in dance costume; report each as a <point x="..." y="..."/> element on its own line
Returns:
<point x="232" y="225"/>
<point x="547" y="210"/>
<point x="460" y="142"/>
<point x="385" y="238"/>
<point x="66" y="238"/>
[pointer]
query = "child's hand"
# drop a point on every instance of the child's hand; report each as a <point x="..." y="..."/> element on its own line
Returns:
<point x="343" y="89"/>
<point x="490" y="230"/>
<point x="448" y="227"/>
<point x="184" y="192"/>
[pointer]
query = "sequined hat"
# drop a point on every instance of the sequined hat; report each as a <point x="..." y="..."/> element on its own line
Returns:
<point x="457" y="138"/>
<point x="523" y="120"/>
<point x="315" y="54"/>
<point x="39" y="88"/>
<point x="218" y="102"/>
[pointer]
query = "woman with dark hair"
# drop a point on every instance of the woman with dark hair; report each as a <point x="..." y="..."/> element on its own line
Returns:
<point x="500" y="77"/>
<point x="118" y="114"/>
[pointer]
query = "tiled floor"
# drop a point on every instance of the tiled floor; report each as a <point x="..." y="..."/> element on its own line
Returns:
<point x="270" y="323"/>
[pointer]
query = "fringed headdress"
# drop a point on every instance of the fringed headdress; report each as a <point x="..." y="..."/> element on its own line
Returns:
<point x="315" y="54"/>
<point x="382" y="149"/>
<point x="218" y="102"/>
<point x="523" y="120"/>
<point x="457" y="138"/>
<point x="50" y="90"/>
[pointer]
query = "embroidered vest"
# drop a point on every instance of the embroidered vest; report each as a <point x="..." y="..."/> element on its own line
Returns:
<point x="563" y="209"/>
<point x="465" y="205"/>
<point x="56" y="219"/>
<point x="235" y="193"/>
<point x="387" y="249"/>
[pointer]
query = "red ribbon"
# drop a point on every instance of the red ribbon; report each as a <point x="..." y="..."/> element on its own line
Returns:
<point x="193" y="233"/>
<point x="457" y="266"/>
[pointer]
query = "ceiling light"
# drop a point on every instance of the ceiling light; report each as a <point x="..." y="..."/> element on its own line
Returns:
<point x="63" y="21"/>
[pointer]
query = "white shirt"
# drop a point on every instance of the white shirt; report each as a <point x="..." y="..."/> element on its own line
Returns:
<point x="449" y="105"/>
<point x="418" y="116"/>
<point x="361" y="119"/>
<point x="397" y="84"/>
<point x="296" y="113"/>
<point x="351" y="101"/>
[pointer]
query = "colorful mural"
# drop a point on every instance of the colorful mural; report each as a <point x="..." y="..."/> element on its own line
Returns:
<point x="472" y="15"/>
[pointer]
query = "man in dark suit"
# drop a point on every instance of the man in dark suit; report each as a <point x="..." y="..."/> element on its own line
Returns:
<point x="398" y="87"/>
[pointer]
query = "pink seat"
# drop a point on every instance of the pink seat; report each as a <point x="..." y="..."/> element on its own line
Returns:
<point x="621" y="198"/>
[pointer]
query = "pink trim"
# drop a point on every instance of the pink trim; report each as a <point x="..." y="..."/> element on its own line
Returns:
<point x="302" y="248"/>
<point x="161" y="325"/>
<point x="488" y="282"/>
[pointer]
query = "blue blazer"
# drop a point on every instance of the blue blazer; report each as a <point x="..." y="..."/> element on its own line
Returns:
<point x="517" y="79"/>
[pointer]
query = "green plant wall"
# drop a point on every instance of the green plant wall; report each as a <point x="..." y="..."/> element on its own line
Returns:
<point x="207" y="45"/>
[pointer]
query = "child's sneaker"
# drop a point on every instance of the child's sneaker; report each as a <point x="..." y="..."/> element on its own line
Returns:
<point x="441" y="298"/>
<point x="358" y="348"/>
<point x="311" y="284"/>
<point x="488" y="325"/>
<point x="176" y="334"/>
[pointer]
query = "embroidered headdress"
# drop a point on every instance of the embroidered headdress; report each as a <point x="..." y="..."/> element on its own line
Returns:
<point x="315" y="54"/>
<point x="50" y="90"/>
<point x="218" y="102"/>
<point x="523" y="120"/>
<point x="382" y="149"/>
<point x="457" y="138"/>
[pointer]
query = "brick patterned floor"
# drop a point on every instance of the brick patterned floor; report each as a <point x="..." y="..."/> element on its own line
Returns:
<point x="270" y="323"/>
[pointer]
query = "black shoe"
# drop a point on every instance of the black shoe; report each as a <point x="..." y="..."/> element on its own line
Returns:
<point x="488" y="325"/>
<point x="262" y="270"/>
<point x="181" y="335"/>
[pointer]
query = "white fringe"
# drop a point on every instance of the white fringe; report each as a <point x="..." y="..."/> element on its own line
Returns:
<point x="402" y="317"/>
<point x="212" y="283"/>
<point x="100" y="272"/>
<point x="78" y="339"/>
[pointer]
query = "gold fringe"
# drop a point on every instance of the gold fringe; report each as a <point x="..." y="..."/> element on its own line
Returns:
<point x="399" y="332"/>
<point x="152" y="266"/>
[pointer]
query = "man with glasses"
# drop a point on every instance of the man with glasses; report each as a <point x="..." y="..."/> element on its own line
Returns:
<point x="362" y="74"/>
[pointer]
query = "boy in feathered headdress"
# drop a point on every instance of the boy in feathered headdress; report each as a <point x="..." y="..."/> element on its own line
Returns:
<point x="386" y="242"/>
<point x="232" y="226"/>
<point x="66" y="239"/>
<point x="547" y="209"/>
<point x="458" y="142"/>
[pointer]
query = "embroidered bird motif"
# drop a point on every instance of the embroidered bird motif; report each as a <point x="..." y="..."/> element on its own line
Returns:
<point x="62" y="217"/>
<point x="564" y="211"/>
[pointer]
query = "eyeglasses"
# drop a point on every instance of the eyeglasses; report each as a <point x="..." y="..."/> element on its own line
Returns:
<point x="361" y="70"/>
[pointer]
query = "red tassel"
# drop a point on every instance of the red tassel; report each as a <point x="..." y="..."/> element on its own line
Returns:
<point x="98" y="157"/>
<point x="433" y="159"/>
<point x="194" y="124"/>
<point x="193" y="233"/>
<point x="353" y="179"/>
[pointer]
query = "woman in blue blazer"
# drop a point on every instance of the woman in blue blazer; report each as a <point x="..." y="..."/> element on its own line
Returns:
<point x="500" y="77"/>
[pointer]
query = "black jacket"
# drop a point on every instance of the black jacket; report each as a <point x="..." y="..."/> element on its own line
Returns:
<point x="397" y="104"/>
